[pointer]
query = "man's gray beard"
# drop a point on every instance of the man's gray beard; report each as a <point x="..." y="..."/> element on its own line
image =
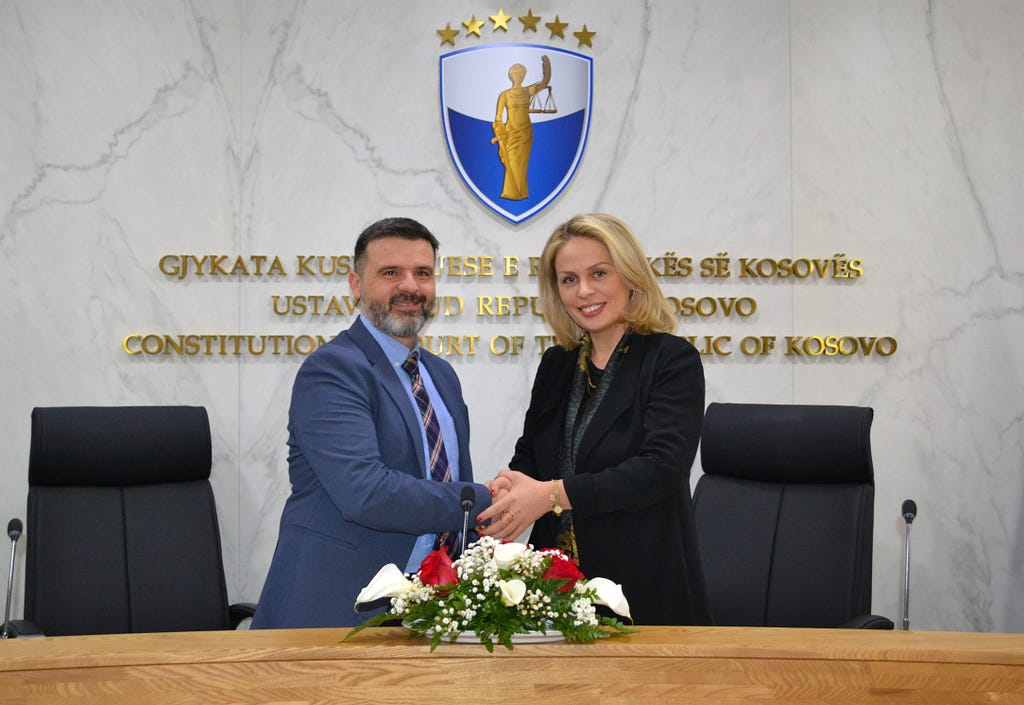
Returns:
<point x="395" y="325"/>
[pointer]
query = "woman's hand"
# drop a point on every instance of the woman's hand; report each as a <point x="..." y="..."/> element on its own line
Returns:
<point x="498" y="486"/>
<point x="520" y="501"/>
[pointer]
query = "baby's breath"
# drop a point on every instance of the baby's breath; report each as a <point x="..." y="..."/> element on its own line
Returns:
<point x="474" y="603"/>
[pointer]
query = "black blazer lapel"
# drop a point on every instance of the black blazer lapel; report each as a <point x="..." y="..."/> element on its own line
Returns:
<point x="618" y="400"/>
<point x="550" y="404"/>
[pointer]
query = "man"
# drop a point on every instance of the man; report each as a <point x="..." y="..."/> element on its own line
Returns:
<point x="371" y="482"/>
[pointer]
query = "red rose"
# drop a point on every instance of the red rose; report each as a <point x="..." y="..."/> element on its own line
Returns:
<point x="562" y="568"/>
<point x="437" y="569"/>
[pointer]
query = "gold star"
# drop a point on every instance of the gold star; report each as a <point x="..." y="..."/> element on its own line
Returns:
<point x="557" y="28"/>
<point x="584" y="37"/>
<point x="500" y="20"/>
<point x="529" y="20"/>
<point x="473" y="26"/>
<point x="447" y="34"/>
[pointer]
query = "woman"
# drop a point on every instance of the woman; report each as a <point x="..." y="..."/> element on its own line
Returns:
<point x="602" y="468"/>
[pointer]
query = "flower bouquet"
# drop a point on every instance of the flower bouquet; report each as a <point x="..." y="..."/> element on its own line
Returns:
<point x="496" y="590"/>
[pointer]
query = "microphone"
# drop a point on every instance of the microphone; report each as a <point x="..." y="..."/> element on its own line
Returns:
<point x="466" y="501"/>
<point x="909" y="511"/>
<point x="14" y="529"/>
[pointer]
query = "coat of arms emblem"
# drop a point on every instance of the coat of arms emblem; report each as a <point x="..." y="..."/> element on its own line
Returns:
<point x="516" y="118"/>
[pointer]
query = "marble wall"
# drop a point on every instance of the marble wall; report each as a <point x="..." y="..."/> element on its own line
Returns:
<point x="890" y="132"/>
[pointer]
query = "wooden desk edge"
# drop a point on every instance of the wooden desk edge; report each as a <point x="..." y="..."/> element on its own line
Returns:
<point x="666" y="642"/>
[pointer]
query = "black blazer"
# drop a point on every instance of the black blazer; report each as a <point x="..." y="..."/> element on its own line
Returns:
<point x="632" y="509"/>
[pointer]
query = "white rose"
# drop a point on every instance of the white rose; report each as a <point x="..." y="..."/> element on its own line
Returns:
<point x="609" y="594"/>
<point x="505" y="553"/>
<point x="512" y="591"/>
<point x="388" y="582"/>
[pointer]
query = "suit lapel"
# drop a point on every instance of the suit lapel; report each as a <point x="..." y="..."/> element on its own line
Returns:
<point x="456" y="408"/>
<point x="618" y="400"/>
<point x="392" y="387"/>
<point x="552" y="404"/>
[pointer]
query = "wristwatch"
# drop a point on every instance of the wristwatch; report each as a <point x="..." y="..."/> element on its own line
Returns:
<point x="556" y="508"/>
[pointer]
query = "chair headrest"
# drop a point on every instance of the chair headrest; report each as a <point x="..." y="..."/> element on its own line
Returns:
<point x="788" y="442"/>
<point x="119" y="445"/>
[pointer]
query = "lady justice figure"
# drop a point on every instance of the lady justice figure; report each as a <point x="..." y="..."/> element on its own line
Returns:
<point x="514" y="135"/>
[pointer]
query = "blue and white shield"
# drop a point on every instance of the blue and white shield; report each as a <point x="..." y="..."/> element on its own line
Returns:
<point x="516" y="118"/>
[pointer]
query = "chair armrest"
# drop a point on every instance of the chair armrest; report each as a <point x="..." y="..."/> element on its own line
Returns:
<point x="868" y="621"/>
<point x="239" y="611"/>
<point x="23" y="629"/>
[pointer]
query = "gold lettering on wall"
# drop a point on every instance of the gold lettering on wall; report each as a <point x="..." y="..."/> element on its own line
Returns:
<point x="694" y="309"/>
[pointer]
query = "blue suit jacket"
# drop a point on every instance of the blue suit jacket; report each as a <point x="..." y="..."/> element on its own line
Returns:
<point x="360" y="496"/>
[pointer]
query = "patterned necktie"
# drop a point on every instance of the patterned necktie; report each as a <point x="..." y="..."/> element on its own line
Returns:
<point x="439" y="470"/>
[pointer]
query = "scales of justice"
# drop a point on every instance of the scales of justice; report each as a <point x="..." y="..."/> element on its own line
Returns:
<point x="513" y="130"/>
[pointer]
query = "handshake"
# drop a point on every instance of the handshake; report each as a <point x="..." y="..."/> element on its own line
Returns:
<point x="518" y="501"/>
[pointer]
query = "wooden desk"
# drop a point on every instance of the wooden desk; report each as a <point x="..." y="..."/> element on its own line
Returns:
<point x="658" y="665"/>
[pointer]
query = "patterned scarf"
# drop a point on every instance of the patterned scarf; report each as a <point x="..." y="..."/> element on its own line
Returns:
<point x="581" y="410"/>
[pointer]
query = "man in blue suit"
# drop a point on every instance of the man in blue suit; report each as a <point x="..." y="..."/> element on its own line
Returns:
<point x="362" y="492"/>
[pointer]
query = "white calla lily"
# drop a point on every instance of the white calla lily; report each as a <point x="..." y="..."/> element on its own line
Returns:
<point x="610" y="594"/>
<point x="512" y="591"/>
<point x="388" y="582"/>
<point x="505" y="553"/>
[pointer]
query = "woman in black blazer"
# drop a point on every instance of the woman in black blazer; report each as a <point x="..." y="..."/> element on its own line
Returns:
<point x="602" y="468"/>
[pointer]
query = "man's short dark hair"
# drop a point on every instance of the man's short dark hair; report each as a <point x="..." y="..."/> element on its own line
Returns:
<point x="404" y="228"/>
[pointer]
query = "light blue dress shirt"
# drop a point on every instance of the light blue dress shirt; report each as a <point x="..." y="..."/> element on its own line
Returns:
<point x="396" y="353"/>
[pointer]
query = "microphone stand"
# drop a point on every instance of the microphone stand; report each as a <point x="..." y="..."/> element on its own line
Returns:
<point x="14" y="532"/>
<point x="465" y="528"/>
<point x="909" y="512"/>
<point x="906" y="583"/>
<point x="466" y="501"/>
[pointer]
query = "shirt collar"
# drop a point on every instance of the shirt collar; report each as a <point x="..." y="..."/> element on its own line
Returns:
<point x="394" y="350"/>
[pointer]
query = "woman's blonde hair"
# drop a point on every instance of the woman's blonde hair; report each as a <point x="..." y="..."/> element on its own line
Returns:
<point x="648" y="311"/>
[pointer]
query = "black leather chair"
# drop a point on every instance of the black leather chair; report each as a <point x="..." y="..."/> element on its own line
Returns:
<point x="122" y="532"/>
<point x="784" y="515"/>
